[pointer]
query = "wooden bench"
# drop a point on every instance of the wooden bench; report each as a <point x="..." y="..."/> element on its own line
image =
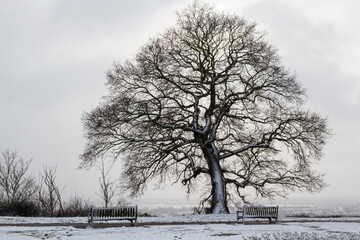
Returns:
<point x="113" y="213"/>
<point x="258" y="212"/>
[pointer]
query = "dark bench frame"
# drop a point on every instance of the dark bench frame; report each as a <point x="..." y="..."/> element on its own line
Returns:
<point x="258" y="212"/>
<point x="113" y="213"/>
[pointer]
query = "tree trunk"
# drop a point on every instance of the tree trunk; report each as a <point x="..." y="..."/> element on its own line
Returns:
<point x="218" y="191"/>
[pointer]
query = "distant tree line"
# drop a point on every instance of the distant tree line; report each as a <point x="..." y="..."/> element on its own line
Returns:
<point x="23" y="195"/>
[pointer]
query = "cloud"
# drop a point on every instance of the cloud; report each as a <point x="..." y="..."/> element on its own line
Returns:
<point x="54" y="55"/>
<point x="323" y="53"/>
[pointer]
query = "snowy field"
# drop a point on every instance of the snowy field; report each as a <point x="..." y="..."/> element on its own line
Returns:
<point x="296" y="223"/>
<point x="192" y="227"/>
<point x="288" y="231"/>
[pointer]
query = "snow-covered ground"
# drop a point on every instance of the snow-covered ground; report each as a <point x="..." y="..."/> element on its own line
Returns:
<point x="308" y="231"/>
<point x="188" y="229"/>
<point x="220" y="218"/>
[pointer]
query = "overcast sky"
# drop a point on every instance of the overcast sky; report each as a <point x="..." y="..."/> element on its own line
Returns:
<point x="54" y="53"/>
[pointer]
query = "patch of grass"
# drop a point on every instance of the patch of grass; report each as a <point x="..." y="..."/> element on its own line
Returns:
<point x="14" y="232"/>
<point x="309" y="215"/>
<point x="336" y="232"/>
<point x="305" y="236"/>
<point x="224" y="234"/>
<point x="145" y="214"/>
<point x="314" y="227"/>
<point x="317" y="228"/>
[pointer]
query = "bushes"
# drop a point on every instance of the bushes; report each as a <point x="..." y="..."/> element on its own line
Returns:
<point x="19" y="208"/>
<point x="76" y="207"/>
<point x="20" y="195"/>
<point x="17" y="187"/>
<point x="145" y="214"/>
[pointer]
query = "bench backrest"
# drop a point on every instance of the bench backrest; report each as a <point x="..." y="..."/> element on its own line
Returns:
<point x="128" y="212"/>
<point x="260" y="211"/>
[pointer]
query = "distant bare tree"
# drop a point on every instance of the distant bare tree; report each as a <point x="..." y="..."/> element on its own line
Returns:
<point x="15" y="184"/>
<point x="49" y="195"/>
<point x="108" y="187"/>
<point x="208" y="100"/>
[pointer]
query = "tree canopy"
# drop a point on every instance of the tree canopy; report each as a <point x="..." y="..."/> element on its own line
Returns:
<point x="208" y="101"/>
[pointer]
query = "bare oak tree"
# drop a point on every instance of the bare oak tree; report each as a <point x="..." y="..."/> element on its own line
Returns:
<point x="15" y="183"/>
<point x="208" y="99"/>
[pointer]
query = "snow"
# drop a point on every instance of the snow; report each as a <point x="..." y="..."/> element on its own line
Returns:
<point x="190" y="231"/>
<point x="183" y="227"/>
<point x="201" y="218"/>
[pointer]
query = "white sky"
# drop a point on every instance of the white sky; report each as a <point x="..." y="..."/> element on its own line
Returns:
<point x="54" y="53"/>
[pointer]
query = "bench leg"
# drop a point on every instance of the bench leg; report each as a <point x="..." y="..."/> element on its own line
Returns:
<point x="90" y="224"/>
<point x="133" y="224"/>
<point x="275" y="221"/>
